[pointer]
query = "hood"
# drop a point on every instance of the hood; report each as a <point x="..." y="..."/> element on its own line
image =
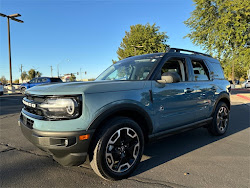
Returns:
<point x="69" y="88"/>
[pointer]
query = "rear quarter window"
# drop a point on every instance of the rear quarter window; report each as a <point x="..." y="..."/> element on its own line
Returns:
<point x="215" y="69"/>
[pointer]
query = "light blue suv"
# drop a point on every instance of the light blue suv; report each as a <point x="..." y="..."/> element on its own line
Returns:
<point x="134" y="101"/>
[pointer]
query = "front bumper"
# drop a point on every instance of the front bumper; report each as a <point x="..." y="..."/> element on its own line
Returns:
<point x="65" y="147"/>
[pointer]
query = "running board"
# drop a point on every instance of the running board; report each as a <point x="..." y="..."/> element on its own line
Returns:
<point x="176" y="130"/>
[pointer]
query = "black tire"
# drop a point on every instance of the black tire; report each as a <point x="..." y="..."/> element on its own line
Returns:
<point x="118" y="149"/>
<point x="220" y="121"/>
<point x="23" y="90"/>
<point x="1" y="92"/>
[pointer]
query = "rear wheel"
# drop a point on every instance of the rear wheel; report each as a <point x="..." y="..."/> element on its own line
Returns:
<point x="118" y="150"/>
<point x="220" y="120"/>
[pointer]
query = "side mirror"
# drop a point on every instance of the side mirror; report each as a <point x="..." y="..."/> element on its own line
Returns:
<point x="169" y="77"/>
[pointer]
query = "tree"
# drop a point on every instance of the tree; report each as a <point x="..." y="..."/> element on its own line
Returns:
<point x="33" y="73"/>
<point x="24" y="75"/>
<point x="3" y="80"/>
<point x="16" y="81"/>
<point x="72" y="78"/>
<point x="142" y="39"/>
<point x="222" y="28"/>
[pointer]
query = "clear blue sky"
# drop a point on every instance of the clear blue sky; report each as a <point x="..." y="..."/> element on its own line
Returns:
<point x="88" y="33"/>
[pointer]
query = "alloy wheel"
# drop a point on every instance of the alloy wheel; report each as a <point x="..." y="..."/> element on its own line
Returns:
<point x="222" y="118"/>
<point x="122" y="150"/>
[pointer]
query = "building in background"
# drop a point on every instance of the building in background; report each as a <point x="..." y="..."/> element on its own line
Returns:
<point x="23" y="81"/>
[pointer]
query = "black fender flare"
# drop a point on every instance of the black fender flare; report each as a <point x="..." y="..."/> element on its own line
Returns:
<point x="224" y="96"/>
<point x="121" y="107"/>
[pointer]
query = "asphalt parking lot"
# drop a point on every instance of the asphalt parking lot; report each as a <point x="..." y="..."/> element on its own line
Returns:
<point x="190" y="159"/>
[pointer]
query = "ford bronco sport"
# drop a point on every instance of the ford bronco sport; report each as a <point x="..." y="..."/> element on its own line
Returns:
<point x="136" y="100"/>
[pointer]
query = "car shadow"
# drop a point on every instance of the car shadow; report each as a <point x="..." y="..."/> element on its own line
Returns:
<point x="171" y="147"/>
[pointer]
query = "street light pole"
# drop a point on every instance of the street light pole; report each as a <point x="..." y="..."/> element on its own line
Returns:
<point x="12" y="16"/>
<point x="58" y="74"/>
<point x="8" y="20"/>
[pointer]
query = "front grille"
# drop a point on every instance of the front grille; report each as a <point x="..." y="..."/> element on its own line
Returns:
<point x="26" y="121"/>
<point x="33" y="110"/>
<point x="35" y="100"/>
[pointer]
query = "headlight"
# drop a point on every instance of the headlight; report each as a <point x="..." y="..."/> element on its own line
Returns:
<point x="61" y="108"/>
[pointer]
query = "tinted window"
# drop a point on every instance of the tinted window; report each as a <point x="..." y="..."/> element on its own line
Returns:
<point x="175" y="65"/>
<point x="55" y="80"/>
<point x="200" y="70"/>
<point x="42" y="80"/>
<point x="216" y="70"/>
<point x="33" y="80"/>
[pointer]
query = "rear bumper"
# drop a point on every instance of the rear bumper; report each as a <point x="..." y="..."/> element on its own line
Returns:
<point x="65" y="147"/>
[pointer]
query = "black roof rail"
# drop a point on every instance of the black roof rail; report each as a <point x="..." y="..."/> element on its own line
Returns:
<point x="178" y="50"/>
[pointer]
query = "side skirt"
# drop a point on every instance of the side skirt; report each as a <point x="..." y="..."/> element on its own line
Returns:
<point x="177" y="130"/>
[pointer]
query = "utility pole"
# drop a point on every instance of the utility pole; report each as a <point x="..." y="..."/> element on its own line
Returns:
<point x="58" y="75"/>
<point x="12" y="16"/>
<point x="9" y="51"/>
<point x="81" y="73"/>
<point x="51" y="69"/>
<point x="21" y="70"/>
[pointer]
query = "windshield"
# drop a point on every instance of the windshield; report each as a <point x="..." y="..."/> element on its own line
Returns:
<point x="132" y="68"/>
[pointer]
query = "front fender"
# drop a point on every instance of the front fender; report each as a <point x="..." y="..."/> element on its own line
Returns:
<point x="117" y="106"/>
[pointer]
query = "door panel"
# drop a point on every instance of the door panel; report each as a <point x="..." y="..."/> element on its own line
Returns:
<point x="174" y="104"/>
<point x="204" y="89"/>
<point x="33" y="82"/>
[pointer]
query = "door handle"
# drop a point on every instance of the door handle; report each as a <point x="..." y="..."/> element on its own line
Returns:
<point x="188" y="90"/>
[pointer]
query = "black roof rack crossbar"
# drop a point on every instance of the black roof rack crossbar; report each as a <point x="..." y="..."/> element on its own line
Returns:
<point x="178" y="50"/>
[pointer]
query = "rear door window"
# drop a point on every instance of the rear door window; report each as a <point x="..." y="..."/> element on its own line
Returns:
<point x="34" y="80"/>
<point x="41" y="80"/>
<point x="200" y="70"/>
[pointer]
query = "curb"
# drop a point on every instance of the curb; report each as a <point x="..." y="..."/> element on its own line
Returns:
<point x="244" y="97"/>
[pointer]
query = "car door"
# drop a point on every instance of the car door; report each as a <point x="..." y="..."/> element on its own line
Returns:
<point x="32" y="82"/>
<point x="173" y="103"/>
<point x="204" y="88"/>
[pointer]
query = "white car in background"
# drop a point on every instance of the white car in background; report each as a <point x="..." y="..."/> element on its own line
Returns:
<point x="1" y="88"/>
<point x="246" y="84"/>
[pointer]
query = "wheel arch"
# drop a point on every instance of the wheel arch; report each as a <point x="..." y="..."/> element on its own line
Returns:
<point x="223" y="97"/>
<point x="132" y="111"/>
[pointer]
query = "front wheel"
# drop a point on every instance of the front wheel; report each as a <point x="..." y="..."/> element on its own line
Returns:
<point x="220" y="120"/>
<point x="118" y="150"/>
<point x="23" y="90"/>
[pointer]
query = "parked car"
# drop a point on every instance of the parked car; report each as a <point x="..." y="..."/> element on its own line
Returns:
<point x="246" y="84"/>
<point x="1" y="88"/>
<point x="38" y="81"/>
<point x="16" y="86"/>
<point x="134" y="101"/>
